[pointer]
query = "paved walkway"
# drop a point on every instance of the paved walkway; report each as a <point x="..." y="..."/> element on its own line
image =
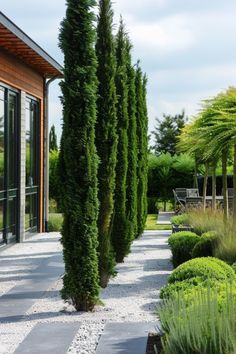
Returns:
<point x="164" y="218"/>
<point x="34" y="319"/>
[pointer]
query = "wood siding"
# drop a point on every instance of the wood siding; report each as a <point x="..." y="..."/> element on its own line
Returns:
<point x="15" y="73"/>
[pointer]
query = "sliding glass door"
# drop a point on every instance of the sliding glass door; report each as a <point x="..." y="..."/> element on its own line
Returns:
<point x="32" y="163"/>
<point x="9" y="166"/>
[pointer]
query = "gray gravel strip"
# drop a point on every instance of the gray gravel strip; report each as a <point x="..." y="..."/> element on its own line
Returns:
<point x="131" y="296"/>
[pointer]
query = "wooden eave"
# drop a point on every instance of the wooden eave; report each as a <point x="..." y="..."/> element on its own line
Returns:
<point x="17" y="43"/>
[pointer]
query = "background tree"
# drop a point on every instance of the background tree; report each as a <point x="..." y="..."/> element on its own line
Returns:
<point x="166" y="133"/>
<point x="53" y="139"/>
<point x="120" y="228"/>
<point x="79" y="234"/>
<point x="142" y="148"/>
<point x="106" y="136"/>
<point x="131" y="204"/>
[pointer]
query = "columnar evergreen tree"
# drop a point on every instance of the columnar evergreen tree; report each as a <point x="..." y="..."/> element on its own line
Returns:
<point x="79" y="235"/>
<point x="53" y="139"/>
<point x="142" y="139"/>
<point x="131" y="204"/>
<point x="145" y="151"/>
<point x="120" y="229"/>
<point x="106" y="136"/>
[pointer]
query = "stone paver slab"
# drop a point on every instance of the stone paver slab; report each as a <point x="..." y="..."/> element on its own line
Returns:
<point x="125" y="338"/>
<point x="19" y="299"/>
<point x="164" y="218"/>
<point x="50" y="338"/>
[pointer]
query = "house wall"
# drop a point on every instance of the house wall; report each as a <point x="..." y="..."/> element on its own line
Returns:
<point x="16" y="74"/>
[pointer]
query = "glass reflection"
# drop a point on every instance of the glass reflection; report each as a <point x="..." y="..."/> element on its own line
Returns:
<point x="12" y="153"/>
<point x="2" y="112"/>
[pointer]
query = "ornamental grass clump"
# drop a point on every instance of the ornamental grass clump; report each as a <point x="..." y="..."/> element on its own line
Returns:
<point x="182" y="244"/>
<point x="202" y="327"/>
<point x="180" y="219"/>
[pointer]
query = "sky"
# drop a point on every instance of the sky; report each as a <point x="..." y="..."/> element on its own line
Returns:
<point x="186" y="47"/>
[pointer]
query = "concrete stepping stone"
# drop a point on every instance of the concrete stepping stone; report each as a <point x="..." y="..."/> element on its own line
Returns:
<point x="52" y="338"/>
<point x="16" y="302"/>
<point x="125" y="338"/>
<point x="164" y="218"/>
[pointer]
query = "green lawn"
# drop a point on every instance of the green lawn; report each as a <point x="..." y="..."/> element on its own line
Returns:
<point x="151" y="223"/>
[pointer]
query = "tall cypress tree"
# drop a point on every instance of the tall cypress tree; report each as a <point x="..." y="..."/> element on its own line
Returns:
<point x="131" y="204"/>
<point x="53" y="139"/>
<point x="145" y="149"/>
<point x="120" y="230"/>
<point x="142" y="139"/>
<point x="79" y="234"/>
<point x="106" y="136"/>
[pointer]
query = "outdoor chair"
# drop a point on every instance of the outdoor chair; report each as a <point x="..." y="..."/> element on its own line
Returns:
<point x="179" y="203"/>
<point x="181" y="193"/>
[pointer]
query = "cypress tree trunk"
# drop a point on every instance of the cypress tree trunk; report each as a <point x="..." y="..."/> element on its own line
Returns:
<point x="120" y="229"/>
<point x="106" y="137"/>
<point x="225" y="183"/>
<point x="205" y="185"/>
<point x="131" y="204"/>
<point x="141" y="117"/>
<point x="79" y="234"/>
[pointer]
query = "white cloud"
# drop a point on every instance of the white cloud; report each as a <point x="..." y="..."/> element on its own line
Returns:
<point x="163" y="37"/>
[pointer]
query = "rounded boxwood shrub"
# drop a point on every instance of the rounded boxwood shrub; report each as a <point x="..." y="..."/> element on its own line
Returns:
<point x="172" y="289"/>
<point x="182" y="244"/>
<point x="205" y="268"/>
<point x="234" y="266"/>
<point x="206" y="245"/>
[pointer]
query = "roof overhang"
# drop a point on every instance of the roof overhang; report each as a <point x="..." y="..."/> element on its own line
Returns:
<point x="16" y="42"/>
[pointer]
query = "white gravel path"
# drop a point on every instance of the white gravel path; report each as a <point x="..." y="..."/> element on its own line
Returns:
<point x="131" y="296"/>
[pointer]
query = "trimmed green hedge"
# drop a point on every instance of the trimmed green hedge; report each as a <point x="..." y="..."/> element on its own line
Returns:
<point x="182" y="244"/>
<point x="206" y="245"/>
<point x="205" y="268"/>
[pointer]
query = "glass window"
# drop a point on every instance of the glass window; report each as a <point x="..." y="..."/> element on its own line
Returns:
<point x="31" y="143"/>
<point x="12" y="142"/>
<point x="32" y="150"/>
<point x="1" y="220"/>
<point x="31" y="211"/>
<point x="2" y="140"/>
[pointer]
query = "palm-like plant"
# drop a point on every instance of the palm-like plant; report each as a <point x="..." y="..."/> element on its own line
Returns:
<point x="219" y="116"/>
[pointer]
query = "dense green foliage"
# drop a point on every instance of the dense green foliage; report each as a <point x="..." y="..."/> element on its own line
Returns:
<point x="202" y="327"/>
<point x="206" y="245"/>
<point x="120" y="224"/>
<point x="166" y="133"/>
<point x="182" y="244"/>
<point x="131" y="203"/>
<point x="166" y="172"/>
<point x="80" y="205"/>
<point x="142" y="148"/>
<point x="106" y="137"/>
<point x="206" y="267"/>
<point x="53" y="139"/>
<point x="54" y="190"/>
